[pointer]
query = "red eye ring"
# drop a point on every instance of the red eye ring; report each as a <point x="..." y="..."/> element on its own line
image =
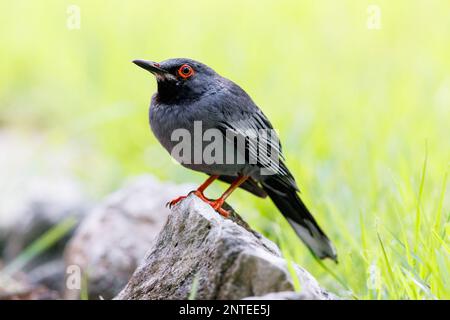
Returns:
<point x="185" y="71"/>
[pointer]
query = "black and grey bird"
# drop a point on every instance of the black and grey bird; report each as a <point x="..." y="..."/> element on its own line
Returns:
<point x="190" y="92"/>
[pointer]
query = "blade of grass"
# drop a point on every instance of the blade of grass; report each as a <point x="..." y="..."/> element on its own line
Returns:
<point x="363" y="238"/>
<point x="84" y="292"/>
<point x="386" y="260"/>
<point x="419" y="201"/>
<point x="442" y="242"/>
<point x="293" y="273"/>
<point x="41" y="244"/>
<point x="194" y="288"/>
<point x="441" y="203"/>
<point x="335" y="276"/>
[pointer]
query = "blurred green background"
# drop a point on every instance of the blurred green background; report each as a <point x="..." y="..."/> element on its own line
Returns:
<point x="363" y="114"/>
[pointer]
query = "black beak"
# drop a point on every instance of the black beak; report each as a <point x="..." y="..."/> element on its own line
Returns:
<point x="151" y="66"/>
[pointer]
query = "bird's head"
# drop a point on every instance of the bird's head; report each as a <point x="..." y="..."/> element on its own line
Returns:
<point x="181" y="79"/>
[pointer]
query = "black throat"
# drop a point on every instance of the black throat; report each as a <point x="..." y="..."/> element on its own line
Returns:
<point x="183" y="90"/>
<point x="169" y="92"/>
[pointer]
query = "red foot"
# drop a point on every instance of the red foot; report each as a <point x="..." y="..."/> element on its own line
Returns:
<point x="223" y="212"/>
<point x="173" y="202"/>
<point x="215" y="204"/>
<point x="199" y="194"/>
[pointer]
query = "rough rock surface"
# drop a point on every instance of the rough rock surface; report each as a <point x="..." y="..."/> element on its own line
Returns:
<point x="203" y="255"/>
<point x="44" y="204"/>
<point x="39" y="190"/>
<point x="113" y="239"/>
<point x="50" y="274"/>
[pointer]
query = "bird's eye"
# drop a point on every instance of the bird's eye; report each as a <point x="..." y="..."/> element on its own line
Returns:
<point x="185" y="71"/>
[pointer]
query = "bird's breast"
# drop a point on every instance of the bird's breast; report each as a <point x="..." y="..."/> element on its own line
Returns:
<point x="192" y="139"/>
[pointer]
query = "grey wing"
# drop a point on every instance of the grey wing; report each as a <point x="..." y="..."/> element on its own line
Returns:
<point x="241" y="117"/>
<point x="262" y="146"/>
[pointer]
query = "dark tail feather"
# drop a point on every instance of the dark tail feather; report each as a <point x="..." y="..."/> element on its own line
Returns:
<point x="286" y="199"/>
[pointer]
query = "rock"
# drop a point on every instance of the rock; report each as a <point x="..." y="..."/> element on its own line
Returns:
<point x="43" y="204"/>
<point x="50" y="274"/>
<point x="113" y="239"/>
<point x="39" y="190"/>
<point x="200" y="254"/>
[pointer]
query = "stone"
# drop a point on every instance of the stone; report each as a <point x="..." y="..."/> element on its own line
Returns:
<point x="202" y="255"/>
<point x="111" y="242"/>
<point x="44" y="204"/>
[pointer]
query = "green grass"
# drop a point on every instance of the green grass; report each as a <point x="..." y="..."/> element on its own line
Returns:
<point x="363" y="114"/>
<point x="40" y="245"/>
<point x="194" y="288"/>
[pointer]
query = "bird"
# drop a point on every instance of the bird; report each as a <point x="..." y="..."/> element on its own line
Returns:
<point x="189" y="93"/>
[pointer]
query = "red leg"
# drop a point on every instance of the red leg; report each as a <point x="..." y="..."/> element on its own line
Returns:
<point x="207" y="183"/>
<point x="217" y="204"/>
<point x="198" y="192"/>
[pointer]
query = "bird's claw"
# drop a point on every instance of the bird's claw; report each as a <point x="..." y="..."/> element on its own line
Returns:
<point x="224" y="213"/>
<point x="216" y="204"/>
<point x="173" y="202"/>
